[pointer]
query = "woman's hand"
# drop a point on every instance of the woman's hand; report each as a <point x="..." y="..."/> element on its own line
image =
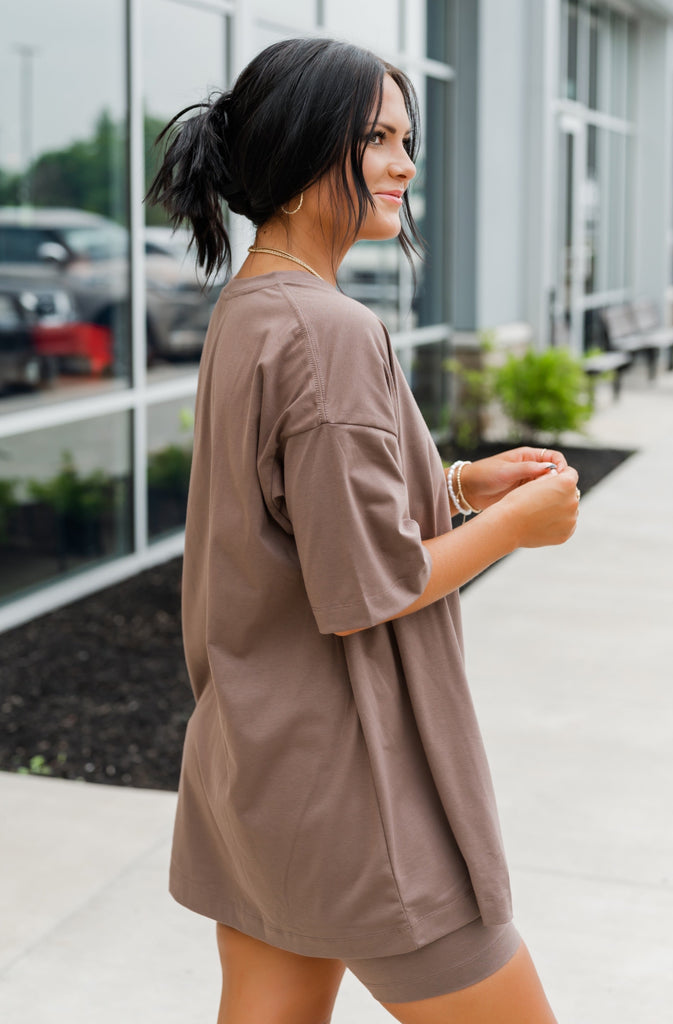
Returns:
<point x="542" y="511"/>
<point x="488" y="480"/>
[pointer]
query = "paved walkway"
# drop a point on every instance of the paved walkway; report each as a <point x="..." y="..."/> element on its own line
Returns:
<point x="570" y="653"/>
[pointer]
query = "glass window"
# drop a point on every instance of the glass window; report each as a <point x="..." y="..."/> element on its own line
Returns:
<point x="616" y="254"/>
<point x="170" y="428"/>
<point x="63" y="188"/>
<point x="375" y="23"/>
<point x="632" y="60"/>
<point x="429" y="200"/>
<point x="569" y="65"/>
<point x="370" y="273"/>
<point x="184" y="58"/>
<point x="592" y="214"/>
<point x="426" y="370"/>
<point x="437" y="33"/>
<point x="619" y="65"/>
<point x="565" y="250"/>
<point x="595" y="58"/>
<point x="65" y="500"/>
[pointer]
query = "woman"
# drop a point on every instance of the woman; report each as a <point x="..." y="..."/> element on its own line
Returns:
<point x="335" y="805"/>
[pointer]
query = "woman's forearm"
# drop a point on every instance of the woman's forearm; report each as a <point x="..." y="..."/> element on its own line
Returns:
<point x="460" y="555"/>
<point x="538" y="513"/>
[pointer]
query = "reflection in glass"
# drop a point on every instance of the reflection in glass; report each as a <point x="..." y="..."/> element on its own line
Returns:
<point x="570" y="32"/>
<point x="619" y="65"/>
<point x="565" y="253"/>
<point x="184" y="50"/>
<point x="370" y="273"/>
<point x="430" y="204"/>
<point x="437" y="37"/>
<point x="592" y="213"/>
<point x="170" y="428"/>
<point x="65" y="500"/>
<point x="618" y="211"/>
<point x="426" y="370"/>
<point x="595" y="69"/>
<point x="63" y="240"/>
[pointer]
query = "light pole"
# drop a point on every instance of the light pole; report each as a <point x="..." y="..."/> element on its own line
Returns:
<point x="26" y="55"/>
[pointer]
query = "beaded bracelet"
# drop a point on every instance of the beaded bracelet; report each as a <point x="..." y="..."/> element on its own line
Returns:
<point x="459" y="488"/>
<point x="457" y="496"/>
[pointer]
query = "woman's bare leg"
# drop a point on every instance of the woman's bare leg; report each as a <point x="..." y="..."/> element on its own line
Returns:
<point x="513" y="995"/>
<point x="265" y="985"/>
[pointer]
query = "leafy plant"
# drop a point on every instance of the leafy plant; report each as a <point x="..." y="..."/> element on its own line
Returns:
<point x="7" y="502"/>
<point x="476" y="391"/>
<point x="544" y="392"/>
<point x="168" y="469"/>
<point x="36" y="766"/>
<point x="70" y="494"/>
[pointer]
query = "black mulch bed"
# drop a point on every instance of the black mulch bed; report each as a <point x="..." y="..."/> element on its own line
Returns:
<point x="98" y="690"/>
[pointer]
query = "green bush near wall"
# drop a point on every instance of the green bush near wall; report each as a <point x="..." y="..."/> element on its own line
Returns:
<point x="544" y="392"/>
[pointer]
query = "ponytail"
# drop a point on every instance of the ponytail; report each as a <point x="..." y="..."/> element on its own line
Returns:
<point x="194" y="178"/>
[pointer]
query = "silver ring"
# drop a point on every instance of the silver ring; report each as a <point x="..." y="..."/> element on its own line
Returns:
<point x="578" y="493"/>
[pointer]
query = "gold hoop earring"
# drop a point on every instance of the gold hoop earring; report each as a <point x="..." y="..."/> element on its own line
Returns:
<point x="291" y="213"/>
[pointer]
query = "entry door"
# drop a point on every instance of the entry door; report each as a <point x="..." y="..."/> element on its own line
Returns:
<point x="571" y="254"/>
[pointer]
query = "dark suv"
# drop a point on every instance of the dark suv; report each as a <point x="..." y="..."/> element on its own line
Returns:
<point x="70" y="269"/>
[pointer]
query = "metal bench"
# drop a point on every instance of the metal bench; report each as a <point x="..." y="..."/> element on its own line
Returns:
<point x="646" y="317"/>
<point x="615" y="363"/>
<point x="624" y="334"/>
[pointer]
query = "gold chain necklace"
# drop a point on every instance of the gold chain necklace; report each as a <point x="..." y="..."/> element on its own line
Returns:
<point x="287" y="256"/>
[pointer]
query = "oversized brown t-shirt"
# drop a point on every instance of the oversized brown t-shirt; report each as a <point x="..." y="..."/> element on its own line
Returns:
<point x="335" y="798"/>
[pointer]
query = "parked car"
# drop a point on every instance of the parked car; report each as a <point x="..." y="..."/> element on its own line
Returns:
<point x="76" y="265"/>
<point x="21" y="363"/>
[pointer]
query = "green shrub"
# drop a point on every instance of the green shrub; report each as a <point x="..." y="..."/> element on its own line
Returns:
<point x="475" y="392"/>
<point x="544" y="392"/>
<point x="7" y="503"/>
<point x="71" y="494"/>
<point x="168" y="469"/>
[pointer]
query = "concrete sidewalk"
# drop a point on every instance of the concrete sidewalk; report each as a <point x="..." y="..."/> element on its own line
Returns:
<point x="569" y="653"/>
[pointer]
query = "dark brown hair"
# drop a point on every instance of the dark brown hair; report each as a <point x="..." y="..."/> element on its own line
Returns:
<point x="301" y="108"/>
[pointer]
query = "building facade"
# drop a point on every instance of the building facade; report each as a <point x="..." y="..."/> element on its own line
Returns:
<point x="543" y="193"/>
<point x="563" y="151"/>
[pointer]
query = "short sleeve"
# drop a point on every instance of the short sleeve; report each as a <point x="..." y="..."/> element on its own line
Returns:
<point x="361" y="554"/>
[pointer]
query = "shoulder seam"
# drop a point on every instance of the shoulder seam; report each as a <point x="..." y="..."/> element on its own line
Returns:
<point x="340" y="423"/>
<point x="318" y="383"/>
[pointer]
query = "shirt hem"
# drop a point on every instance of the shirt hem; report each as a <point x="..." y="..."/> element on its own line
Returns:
<point x="386" y="941"/>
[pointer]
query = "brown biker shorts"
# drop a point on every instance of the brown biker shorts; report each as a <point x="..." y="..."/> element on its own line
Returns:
<point x="457" y="960"/>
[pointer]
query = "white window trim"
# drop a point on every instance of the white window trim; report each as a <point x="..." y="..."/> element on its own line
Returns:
<point x="213" y="6"/>
<point x="571" y="108"/>
<point x="614" y="297"/>
<point x="51" y="596"/>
